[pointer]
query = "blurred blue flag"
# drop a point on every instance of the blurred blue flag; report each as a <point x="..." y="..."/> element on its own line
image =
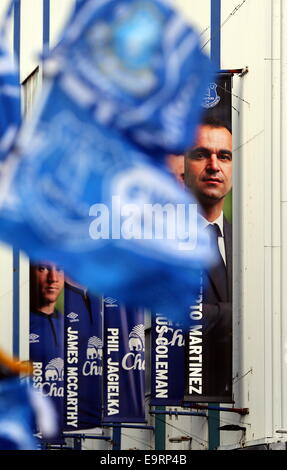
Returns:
<point x="138" y="67"/>
<point x="79" y="4"/>
<point x="10" y="107"/>
<point x="17" y="417"/>
<point x="121" y="87"/>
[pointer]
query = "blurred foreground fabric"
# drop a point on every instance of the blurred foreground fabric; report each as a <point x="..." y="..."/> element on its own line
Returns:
<point x="85" y="186"/>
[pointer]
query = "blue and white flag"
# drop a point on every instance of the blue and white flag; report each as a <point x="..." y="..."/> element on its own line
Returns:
<point x="83" y="359"/>
<point x="83" y="193"/>
<point x="79" y="4"/>
<point x="17" y="416"/>
<point x="124" y="364"/>
<point x="10" y="104"/>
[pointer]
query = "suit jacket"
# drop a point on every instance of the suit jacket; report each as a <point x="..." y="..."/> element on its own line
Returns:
<point x="217" y="329"/>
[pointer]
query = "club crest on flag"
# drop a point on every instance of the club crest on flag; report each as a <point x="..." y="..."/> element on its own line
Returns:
<point x="124" y="47"/>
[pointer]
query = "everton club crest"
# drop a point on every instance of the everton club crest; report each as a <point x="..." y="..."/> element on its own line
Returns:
<point x="211" y="98"/>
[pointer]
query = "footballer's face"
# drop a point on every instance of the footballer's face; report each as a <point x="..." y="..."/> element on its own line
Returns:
<point x="48" y="280"/>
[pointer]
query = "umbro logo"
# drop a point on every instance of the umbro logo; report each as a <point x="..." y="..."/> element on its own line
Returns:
<point x="33" y="338"/>
<point x="73" y="317"/>
<point x="110" y="302"/>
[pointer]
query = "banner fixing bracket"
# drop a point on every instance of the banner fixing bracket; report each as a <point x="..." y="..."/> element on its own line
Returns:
<point x="240" y="411"/>
<point x="178" y="413"/>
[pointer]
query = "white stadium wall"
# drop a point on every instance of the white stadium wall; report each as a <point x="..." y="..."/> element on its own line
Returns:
<point x="255" y="36"/>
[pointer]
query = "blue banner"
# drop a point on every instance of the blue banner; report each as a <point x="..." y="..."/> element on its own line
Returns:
<point x="83" y="359"/>
<point x="167" y="362"/>
<point x="124" y="364"/>
<point x="208" y="361"/>
<point x="47" y="357"/>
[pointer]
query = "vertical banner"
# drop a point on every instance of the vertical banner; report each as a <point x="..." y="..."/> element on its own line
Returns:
<point x="83" y="359"/>
<point x="66" y="347"/>
<point x="47" y="333"/>
<point x="167" y="359"/>
<point x="208" y="174"/>
<point x="124" y="364"/>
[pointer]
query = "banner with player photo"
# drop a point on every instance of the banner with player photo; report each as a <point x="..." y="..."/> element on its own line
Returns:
<point x="124" y="364"/>
<point x="208" y="175"/>
<point x="66" y="345"/>
<point x="83" y="359"/>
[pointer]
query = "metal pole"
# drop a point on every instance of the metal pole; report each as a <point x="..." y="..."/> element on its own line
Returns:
<point x="116" y="438"/>
<point x="16" y="253"/>
<point x="46" y="25"/>
<point x="215" y="407"/>
<point x="216" y="33"/>
<point x="86" y="436"/>
<point x="160" y="430"/>
<point x="178" y="413"/>
<point x="131" y="426"/>
<point x="214" y="415"/>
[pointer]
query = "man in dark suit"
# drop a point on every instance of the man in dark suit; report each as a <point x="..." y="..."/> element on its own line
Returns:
<point x="208" y="175"/>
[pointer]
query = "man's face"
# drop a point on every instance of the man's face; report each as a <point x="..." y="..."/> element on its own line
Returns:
<point x="208" y="165"/>
<point x="48" y="281"/>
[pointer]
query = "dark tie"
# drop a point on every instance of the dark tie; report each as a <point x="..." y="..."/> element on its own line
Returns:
<point x="218" y="270"/>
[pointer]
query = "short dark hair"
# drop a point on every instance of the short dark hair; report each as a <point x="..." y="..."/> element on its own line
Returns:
<point x="215" y="122"/>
